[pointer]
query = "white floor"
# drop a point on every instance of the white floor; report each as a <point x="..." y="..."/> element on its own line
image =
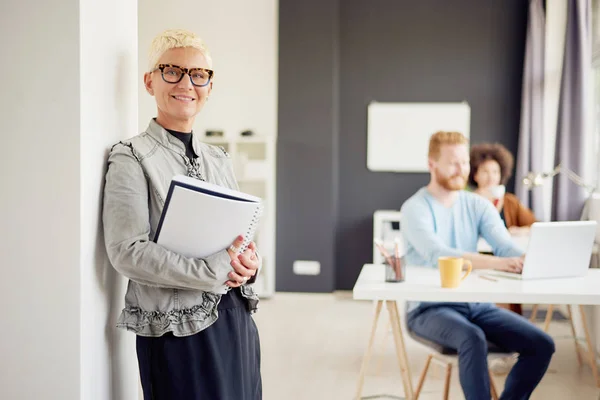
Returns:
<point x="312" y="348"/>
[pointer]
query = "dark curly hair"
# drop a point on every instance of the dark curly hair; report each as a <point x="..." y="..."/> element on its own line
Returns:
<point x="483" y="152"/>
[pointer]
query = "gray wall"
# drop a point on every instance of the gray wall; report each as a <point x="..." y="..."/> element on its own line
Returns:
<point x="335" y="57"/>
<point x="307" y="142"/>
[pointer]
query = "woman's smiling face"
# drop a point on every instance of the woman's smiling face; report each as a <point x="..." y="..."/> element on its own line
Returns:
<point x="178" y="103"/>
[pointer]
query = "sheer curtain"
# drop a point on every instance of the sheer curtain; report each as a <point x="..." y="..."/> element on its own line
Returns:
<point x="573" y="129"/>
<point x="556" y="106"/>
<point x="531" y="136"/>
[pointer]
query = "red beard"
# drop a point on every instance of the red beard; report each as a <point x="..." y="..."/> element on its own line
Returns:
<point x="455" y="182"/>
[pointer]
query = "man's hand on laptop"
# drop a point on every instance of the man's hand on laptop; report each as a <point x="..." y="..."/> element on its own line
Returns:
<point x="509" y="264"/>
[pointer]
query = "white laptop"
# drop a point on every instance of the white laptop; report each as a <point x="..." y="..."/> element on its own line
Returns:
<point x="556" y="250"/>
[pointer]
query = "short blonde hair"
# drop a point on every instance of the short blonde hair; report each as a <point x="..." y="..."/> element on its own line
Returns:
<point x="442" y="138"/>
<point x="172" y="39"/>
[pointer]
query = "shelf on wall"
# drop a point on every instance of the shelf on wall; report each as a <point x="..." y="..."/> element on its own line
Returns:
<point x="253" y="159"/>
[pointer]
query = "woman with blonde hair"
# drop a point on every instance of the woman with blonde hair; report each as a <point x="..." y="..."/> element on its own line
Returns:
<point x="196" y="338"/>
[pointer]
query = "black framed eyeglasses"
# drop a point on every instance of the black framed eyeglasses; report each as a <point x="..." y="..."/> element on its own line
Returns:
<point x="174" y="74"/>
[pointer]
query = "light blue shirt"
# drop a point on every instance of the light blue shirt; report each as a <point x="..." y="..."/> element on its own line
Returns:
<point x="432" y="230"/>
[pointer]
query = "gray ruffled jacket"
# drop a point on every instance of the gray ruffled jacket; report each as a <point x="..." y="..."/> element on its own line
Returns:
<point x="166" y="291"/>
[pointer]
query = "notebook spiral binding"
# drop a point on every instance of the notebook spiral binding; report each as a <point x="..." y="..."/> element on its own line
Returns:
<point x="249" y="236"/>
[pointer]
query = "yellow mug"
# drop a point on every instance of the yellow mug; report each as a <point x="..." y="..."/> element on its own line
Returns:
<point x="450" y="271"/>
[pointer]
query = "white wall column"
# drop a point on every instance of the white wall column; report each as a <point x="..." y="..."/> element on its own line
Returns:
<point x="69" y="83"/>
<point x="109" y="104"/>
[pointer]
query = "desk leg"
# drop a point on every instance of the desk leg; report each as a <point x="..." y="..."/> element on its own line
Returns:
<point x="591" y="351"/>
<point x="549" y="314"/>
<point x="534" y="311"/>
<point x="368" y="351"/>
<point x="386" y="333"/>
<point x="447" y="381"/>
<point x="574" y="335"/>
<point x="400" y="348"/>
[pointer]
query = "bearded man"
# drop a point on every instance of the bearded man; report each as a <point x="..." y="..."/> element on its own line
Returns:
<point x="444" y="220"/>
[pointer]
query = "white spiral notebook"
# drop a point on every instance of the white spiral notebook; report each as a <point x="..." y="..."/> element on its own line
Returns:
<point x="200" y="218"/>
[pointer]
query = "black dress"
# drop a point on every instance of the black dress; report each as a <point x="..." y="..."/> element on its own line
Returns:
<point x="221" y="362"/>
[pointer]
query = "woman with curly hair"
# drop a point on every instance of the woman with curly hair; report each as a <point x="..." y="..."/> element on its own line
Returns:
<point x="491" y="168"/>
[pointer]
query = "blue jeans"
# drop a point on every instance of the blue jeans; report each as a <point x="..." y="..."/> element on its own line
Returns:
<point x="467" y="327"/>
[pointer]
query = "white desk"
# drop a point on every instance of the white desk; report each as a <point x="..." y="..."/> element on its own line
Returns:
<point x="423" y="284"/>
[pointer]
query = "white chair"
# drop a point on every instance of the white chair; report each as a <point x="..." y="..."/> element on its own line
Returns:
<point x="383" y="229"/>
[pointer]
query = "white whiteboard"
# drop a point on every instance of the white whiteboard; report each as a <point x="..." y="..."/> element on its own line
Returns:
<point x="398" y="133"/>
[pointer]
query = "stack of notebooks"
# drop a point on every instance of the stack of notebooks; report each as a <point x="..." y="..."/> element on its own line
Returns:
<point x="200" y="219"/>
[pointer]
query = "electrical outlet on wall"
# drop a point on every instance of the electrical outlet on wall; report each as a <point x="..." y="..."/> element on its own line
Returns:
<point x="302" y="267"/>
